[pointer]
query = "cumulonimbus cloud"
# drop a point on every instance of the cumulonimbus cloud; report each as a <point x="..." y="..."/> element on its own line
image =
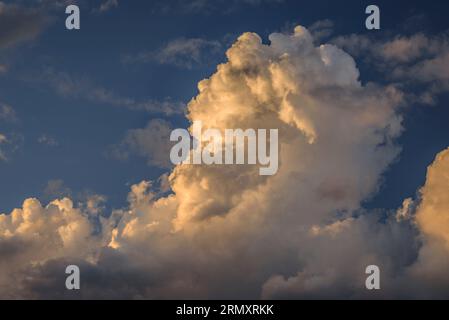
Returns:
<point x="225" y="231"/>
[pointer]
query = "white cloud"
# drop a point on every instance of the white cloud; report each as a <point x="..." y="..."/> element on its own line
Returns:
<point x="7" y="113"/>
<point x="9" y="143"/>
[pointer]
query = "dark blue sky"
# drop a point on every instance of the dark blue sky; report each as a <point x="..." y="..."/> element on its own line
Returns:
<point x="86" y="129"/>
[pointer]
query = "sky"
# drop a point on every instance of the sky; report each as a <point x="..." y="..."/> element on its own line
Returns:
<point x="85" y="176"/>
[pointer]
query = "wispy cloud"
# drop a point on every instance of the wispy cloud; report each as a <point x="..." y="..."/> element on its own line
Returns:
<point x="107" y="5"/>
<point x="47" y="140"/>
<point x="185" y="53"/>
<point x="416" y="59"/>
<point x="3" y="140"/>
<point x="7" y="113"/>
<point x="82" y="88"/>
<point x="321" y="29"/>
<point x="9" y="142"/>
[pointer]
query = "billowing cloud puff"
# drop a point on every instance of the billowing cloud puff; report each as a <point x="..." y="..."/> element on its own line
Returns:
<point x="336" y="136"/>
<point x="428" y="275"/>
<point x="433" y="212"/>
<point x="225" y="231"/>
<point x="33" y="235"/>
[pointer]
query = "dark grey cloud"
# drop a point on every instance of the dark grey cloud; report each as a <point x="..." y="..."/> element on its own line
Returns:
<point x="19" y="24"/>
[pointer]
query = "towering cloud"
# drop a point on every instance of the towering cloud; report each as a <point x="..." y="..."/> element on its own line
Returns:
<point x="228" y="232"/>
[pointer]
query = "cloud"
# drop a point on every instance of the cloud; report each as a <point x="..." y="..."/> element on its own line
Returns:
<point x="416" y="59"/>
<point x="399" y="50"/>
<point x="321" y="29"/>
<point x="67" y="85"/>
<point x="19" y="24"/>
<point x="107" y="5"/>
<point x="56" y="189"/>
<point x="225" y="231"/>
<point x="7" y="113"/>
<point x="151" y="142"/>
<point x="433" y="212"/>
<point x="185" y="53"/>
<point x="47" y="140"/>
<point x="3" y="140"/>
<point x="9" y="141"/>
<point x="9" y="144"/>
<point x="88" y="202"/>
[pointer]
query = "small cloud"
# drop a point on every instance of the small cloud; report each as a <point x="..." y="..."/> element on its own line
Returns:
<point x="321" y="29"/>
<point x="56" y="189"/>
<point x="7" y="113"/>
<point x="106" y="6"/>
<point x="152" y="142"/>
<point x="9" y="144"/>
<point x="3" y="140"/>
<point x="92" y="203"/>
<point x="47" y="140"/>
<point x="418" y="59"/>
<point x="19" y="24"/>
